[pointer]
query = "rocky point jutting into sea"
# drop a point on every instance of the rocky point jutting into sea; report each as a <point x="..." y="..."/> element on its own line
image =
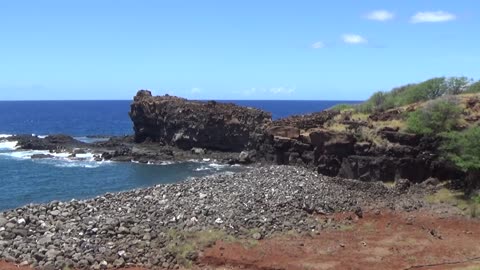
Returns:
<point x="169" y="128"/>
<point x="149" y="226"/>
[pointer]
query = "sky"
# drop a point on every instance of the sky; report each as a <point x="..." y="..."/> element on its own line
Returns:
<point x="249" y="49"/>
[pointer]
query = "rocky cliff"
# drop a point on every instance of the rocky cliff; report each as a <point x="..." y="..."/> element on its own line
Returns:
<point x="356" y="147"/>
<point x="186" y="124"/>
<point x="346" y="144"/>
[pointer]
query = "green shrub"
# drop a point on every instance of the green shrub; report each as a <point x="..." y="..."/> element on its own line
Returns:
<point x="427" y="90"/>
<point x="412" y="93"/>
<point x="473" y="88"/>
<point x="436" y="116"/>
<point x="457" y="85"/>
<point x="476" y="199"/>
<point x="377" y="102"/>
<point x="463" y="148"/>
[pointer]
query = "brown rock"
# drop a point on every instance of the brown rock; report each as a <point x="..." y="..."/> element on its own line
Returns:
<point x="284" y="131"/>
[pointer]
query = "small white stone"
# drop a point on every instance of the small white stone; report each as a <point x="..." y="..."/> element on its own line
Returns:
<point x="21" y="221"/>
<point x="218" y="221"/>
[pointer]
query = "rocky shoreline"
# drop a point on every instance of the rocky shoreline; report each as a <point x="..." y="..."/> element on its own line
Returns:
<point x="364" y="147"/>
<point x="143" y="227"/>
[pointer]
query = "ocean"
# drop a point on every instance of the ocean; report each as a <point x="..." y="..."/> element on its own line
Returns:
<point x="24" y="180"/>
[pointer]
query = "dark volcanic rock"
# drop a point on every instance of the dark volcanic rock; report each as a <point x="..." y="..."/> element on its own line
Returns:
<point x="307" y="121"/>
<point x="187" y="124"/>
<point x="284" y="131"/>
<point x="52" y="142"/>
<point x="40" y="156"/>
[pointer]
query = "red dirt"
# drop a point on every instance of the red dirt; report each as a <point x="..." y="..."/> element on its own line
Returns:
<point x="386" y="241"/>
<point x="415" y="240"/>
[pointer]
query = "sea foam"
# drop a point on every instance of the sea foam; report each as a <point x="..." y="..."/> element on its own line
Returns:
<point x="62" y="160"/>
<point x="7" y="145"/>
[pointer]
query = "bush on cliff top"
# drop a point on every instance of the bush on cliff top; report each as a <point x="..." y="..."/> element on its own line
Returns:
<point x="463" y="148"/>
<point x="441" y="115"/>
<point x="412" y="93"/>
<point x="474" y="88"/>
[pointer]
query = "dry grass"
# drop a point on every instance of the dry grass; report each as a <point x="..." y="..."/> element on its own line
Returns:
<point x="185" y="243"/>
<point x="400" y="124"/>
<point x="370" y="135"/>
<point x="359" y="116"/>
<point x="337" y="127"/>
<point x="470" y="207"/>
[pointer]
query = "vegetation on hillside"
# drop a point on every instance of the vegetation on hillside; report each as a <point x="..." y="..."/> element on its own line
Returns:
<point x="413" y="93"/>
<point x="432" y="107"/>
<point x="463" y="148"/>
<point x="436" y="116"/>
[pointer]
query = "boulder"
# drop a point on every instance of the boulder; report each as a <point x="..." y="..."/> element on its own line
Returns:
<point x="284" y="131"/>
<point x="389" y="115"/>
<point x="52" y="142"/>
<point x="332" y="143"/>
<point x="41" y="156"/>
<point x="401" y="138"/>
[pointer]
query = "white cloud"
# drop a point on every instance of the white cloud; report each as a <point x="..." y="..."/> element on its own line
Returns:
<point x="249" y="92"/>
<point x="269" y="91"/>
<point x="195" y="90"/>
<point x="318" y="45"/>
<point x="432" y="17"/>
<point x="380" y="15"/>
<point x="282" y="90"/>
<point x="353" y="39"/>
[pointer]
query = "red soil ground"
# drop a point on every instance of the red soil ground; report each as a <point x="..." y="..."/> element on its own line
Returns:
<point x="385" y="241"/>
<point x="416" y="240"/>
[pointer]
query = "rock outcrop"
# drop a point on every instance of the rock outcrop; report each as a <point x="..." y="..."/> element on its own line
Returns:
<point x="329" y="142"/>
<point x="346" y="154"/>
<point x="186" y="124"/>
<point x="57" y="142"/>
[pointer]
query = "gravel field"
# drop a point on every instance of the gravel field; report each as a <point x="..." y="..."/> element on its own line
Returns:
<point x="139" y="227"/>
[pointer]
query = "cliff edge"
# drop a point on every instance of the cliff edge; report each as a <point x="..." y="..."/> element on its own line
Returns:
<point x="186" y="124"/>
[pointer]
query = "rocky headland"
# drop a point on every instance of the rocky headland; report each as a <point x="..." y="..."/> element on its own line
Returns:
<point x="331" y="142"/>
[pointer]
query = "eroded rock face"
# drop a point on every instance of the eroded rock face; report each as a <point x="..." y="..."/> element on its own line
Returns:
<point x="187" y="124"/>
<point x="303" y="140"/>
<point x="339" y="153"/>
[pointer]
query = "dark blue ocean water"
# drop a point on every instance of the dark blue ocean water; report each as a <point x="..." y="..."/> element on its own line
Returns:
<point x="23" y="180"/>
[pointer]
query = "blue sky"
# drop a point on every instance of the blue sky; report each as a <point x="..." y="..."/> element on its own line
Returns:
<point x="335" y="50"/>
